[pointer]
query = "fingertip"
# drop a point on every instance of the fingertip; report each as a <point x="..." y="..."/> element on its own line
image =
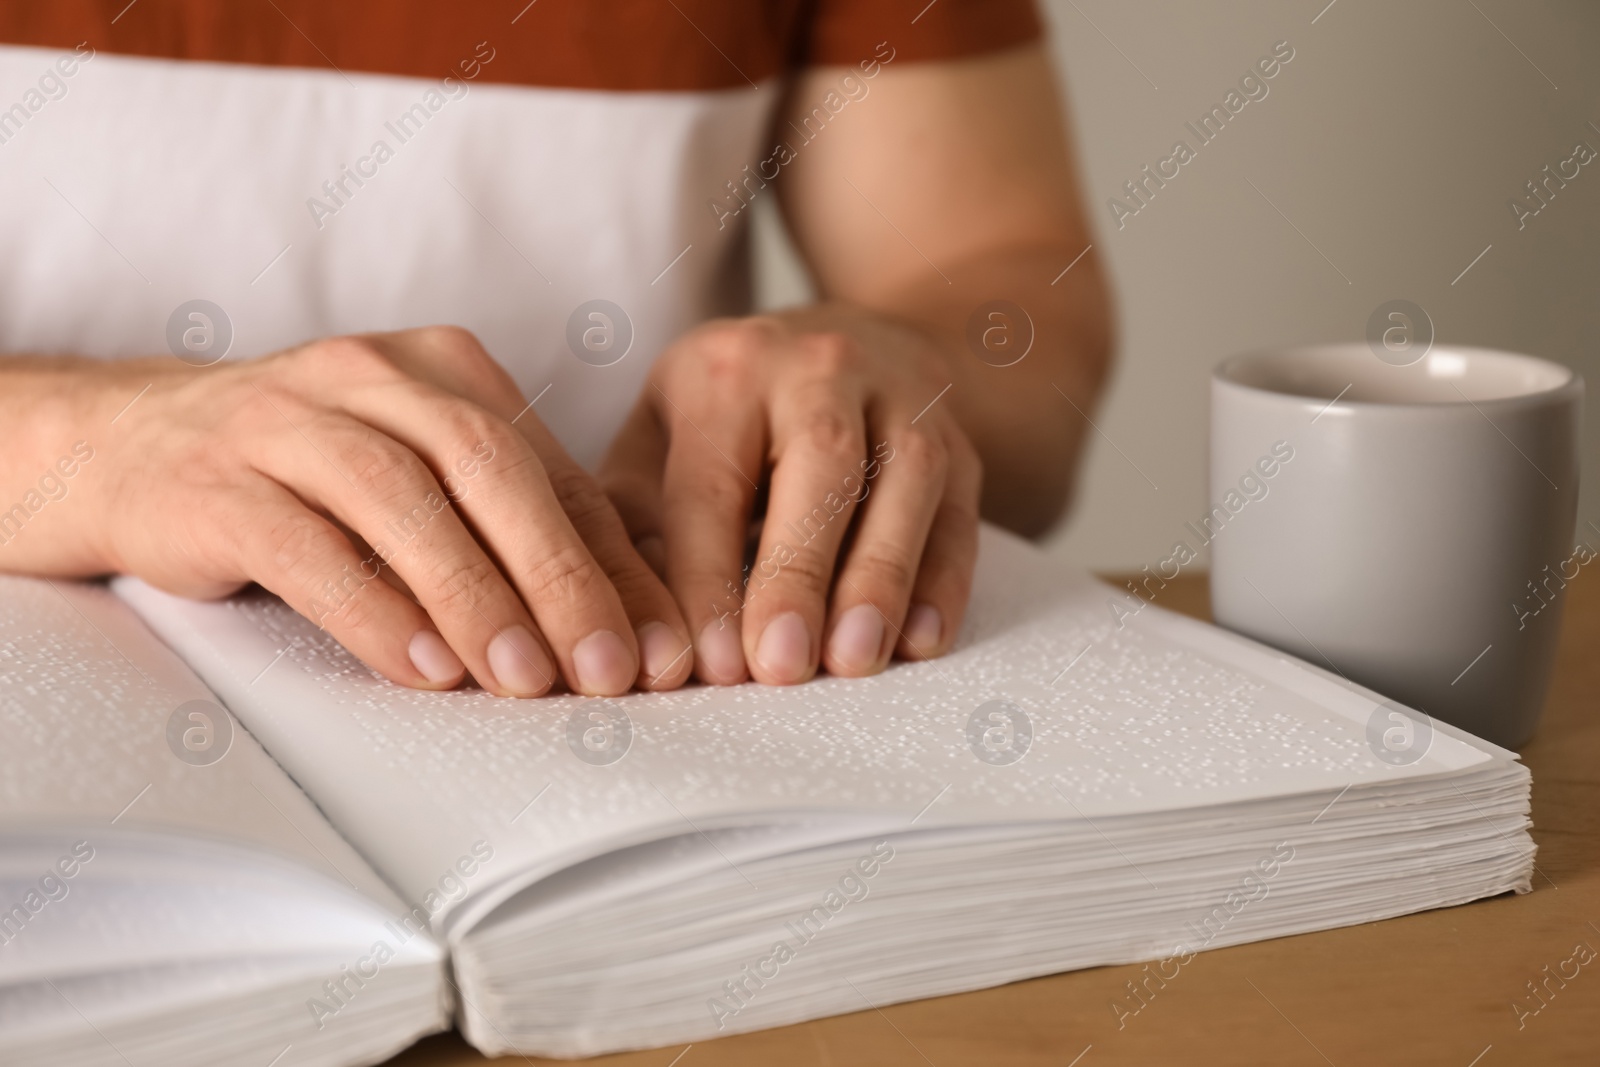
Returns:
<point x="603" y="665"/>
<point x="783" y="653"/>
<point x="434" y="660"/>
<point x="923" y="636"/>
<point x="666" y="657"/>
<point x="519" y="664"/>
<point x="719" y="654"/>
<point x="855" y="648"/>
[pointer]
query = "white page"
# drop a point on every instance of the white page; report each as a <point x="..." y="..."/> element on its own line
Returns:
<point x="152" y="884"/>
<point x="1157" y="714"/>
<point x="86" y="694"/>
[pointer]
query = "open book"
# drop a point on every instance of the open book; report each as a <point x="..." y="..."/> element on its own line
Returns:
<point x="342" y="865"/>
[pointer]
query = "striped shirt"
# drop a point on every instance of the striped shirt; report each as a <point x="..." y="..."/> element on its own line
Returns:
<point x="566" y="178"/>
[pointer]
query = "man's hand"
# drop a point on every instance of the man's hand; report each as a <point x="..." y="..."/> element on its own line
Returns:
<point x="942" y="188"/>
<point x="393" y="488"/>
<point x="870" y="530"/>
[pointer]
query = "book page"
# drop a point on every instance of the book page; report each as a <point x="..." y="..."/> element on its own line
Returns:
<point x="105" y="730"/>
<point x="1054" y="705"/>
<point x="162" y="878"/>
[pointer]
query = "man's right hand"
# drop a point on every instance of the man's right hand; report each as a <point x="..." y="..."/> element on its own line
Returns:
<point x="305" y="470"/>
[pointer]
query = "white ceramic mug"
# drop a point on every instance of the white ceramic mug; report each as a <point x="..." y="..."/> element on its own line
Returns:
<point x="1410" y="527"/>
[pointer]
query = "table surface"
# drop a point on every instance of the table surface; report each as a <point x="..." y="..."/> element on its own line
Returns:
<point x="1434" y="988"/>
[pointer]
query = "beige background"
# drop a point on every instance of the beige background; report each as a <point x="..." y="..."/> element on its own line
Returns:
<point x="1392" y="141"/>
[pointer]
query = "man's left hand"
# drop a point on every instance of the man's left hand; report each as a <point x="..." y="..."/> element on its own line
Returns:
<point x="869" y="537"/>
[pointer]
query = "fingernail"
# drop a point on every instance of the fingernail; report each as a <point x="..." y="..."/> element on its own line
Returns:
<point x="662" y="651"/>
<point x="857" y="639"/>
<point x="785" y="648"/>
<point x="720" y="655"/>
<point x="604" y="664"/>
<point x="924" y="627"/>
<point x="520" y="664"/>
<point x="433" y="659"/>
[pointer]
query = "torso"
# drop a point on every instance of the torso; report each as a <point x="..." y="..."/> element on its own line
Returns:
<point x="206" y="151"/>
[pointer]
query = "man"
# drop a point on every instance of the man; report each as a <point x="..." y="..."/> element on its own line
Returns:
<point x="569" y="183"/>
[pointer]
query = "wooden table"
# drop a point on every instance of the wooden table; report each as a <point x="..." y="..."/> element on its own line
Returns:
<point x="1434" y="988"/>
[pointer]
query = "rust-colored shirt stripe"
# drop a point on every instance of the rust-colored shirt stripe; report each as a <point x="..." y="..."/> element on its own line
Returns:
<point x="845" y="31"/>
<point x="639" y="45"/>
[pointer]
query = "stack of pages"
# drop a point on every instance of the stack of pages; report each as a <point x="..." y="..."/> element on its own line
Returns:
<point x="340" y="865"/>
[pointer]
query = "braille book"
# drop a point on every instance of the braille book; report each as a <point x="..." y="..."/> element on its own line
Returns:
<point x="224" y="840"/>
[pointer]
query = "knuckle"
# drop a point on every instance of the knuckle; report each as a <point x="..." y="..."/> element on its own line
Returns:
<point x="462" y="586"/>
<point x="580" y="496"/>
<point x="923" y="451"/>
<point x="638" y="585"/>
<point x="391" y="470"/>
<point x="566" y="577"/>
<point x="829" y="432"/>
<point x="354" y="613"/>
<point x="450" y="337"/>
<point x="742" y="337"/>
<point x="887" y="567"/>
<point x="453" y="358"/>
<point x="469" y="427"/>
<point x="350" y="357"/>
<point x="697" y="582"/>
<point x="833" y="354"/>
<point x="717" y="494"/>
<point x="459" y="349"/>
<point x="732" y="349"/>
<point x="296" y="540"/>
<point x="809" y="570"/>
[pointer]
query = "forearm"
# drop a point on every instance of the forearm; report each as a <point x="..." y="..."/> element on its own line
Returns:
<point x="1027" y="419"/>
<point x="954" y="187"/>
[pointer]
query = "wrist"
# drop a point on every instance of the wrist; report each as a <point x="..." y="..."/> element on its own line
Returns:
<point x="62" y="418"/>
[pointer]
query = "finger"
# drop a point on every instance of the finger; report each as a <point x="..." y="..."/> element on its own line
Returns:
<point x="452" y="359"/>
<point x="905" y="477"/>
<point x="713" y="461"/>
<point x="666" y="655"/>
<point x="631" y="477"/>
<point x="384" y="491"/>
<point x="299" y="555"/>
<point x="819" y="430"/>
<point x="944" y="578"/>
<point x="512" y="518"/>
